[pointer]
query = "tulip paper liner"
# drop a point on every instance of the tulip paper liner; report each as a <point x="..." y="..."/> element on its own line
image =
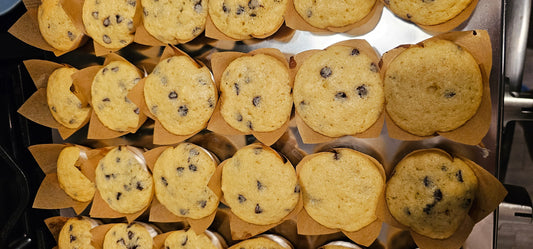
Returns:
<point x="219" y="63"/>
<point x="477" y="42"/>
<point x="36" y="107"/>
<point x="50" y="195"/>
<point x="83" y="80"/>
<point x="306" y="132"/>
<point x="306" y="225"/>
<point x="490" y="193"/>
<point x="161" y="135"/>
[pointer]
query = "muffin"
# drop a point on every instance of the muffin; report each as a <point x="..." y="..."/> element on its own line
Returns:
<point x="259" y="243"/>
<point x="431" y="193"/>
<point x="426" y="12"/>
<point x="244" y="19"/>
<point x="432" y="87"/>
<point x="109" y="89"/>
<point x="181" y="95"/>
<point x="188" y="239"/>
<point x="324" y="14"/>
<point x="174" y="21"/>
<point x="133" y="235"/>
<point x="76" y="233"/>
<point x="338" y="91"/>
<point x="181" y="176"/>
<point x="255" y="94"/>
<point x="341" y="188"/>
<point x="340" y="245"/>
<point x="71" y="180"/>
<point x="123" y="180"/>
<point x="56" y="26"/>
<point x="111" y="23"/>
<point x="65" y="106"/>
<point x="259" y="186"/>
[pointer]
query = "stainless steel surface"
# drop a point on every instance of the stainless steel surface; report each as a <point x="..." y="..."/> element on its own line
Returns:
<point x="517" y="106"/>
<point x="517" y="26"/>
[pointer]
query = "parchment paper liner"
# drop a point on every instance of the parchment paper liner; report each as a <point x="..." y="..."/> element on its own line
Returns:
<point x="219" y="62"/>
<point x="136" y="95"/>
<point x="241" y="229"/>
<point x="216" y="239"/>
<point x="27" y="30"/>
<point x="99" y="233"/>
<point x="489" y="194"/>
<point x="309" y="136"/>
<point x="36" y="107"/>
<point x="50" y="195"/>
<point x="159" y="213"/>
<point x="363" y="26"/>
<point x="364" y="236"/>
<point x="100" y="209"/>
<point x="83" y="80"/>
<point x="448" y="25"/>
<point x="473" y="131"/>
<point x="56" y="223"/>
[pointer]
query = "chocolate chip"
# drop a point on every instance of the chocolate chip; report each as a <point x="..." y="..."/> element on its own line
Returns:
<point x="130" y="235"/>
<point x="258" y="209"/>
<point x="183" y="110"/>
<point x="106" y="22"/>
<point x="252" y="4"/>
<point x="459" y="176"/>
<point x="185" y="241"/>
<point x="240" y="10"/>
<point x="164" y="181"/>
<point x="172" y="95"/>
<point x="127" y="100"/>
<point x="196" y="30"/>
<point x="238" y="117"/>
<point x="184" y="211"/>
<point x="336" y="155"/>
<point x="193" y="152"/>
<point x="256" y="101"/>
<point x="95" y="14"/>
<point x="106" y="100"/>
<point x="202" y="203"/>
<point x="72" y="238"/>
<point x="192" y="167"/>
<point x="118" y="195"/>
<point x="180" y="169"/>
<point x="258" y="150"/>
<point x="249" y="124"/>
<point x="437" y="194"/>
<point x="129" y="225"/>
<point x="309" y="13"/>
<point x="117" y="160"/>
<point x="126" y="187"/>
<point x="133" y="247"/>
<point x="110" y="176"/>
<point x="428" y="208"/>
<point x="355" y="51"/>
<point x="225" y="9"/>
<point x="408" y="16"/>
<point x="104" y="70"/>
<point x="466" y="203"/>
<point x="427" y="182"/>
<point x="374" y="67"/>
<point x="253" y="15"/>
<point x="198" y="7"/>
<point x="259" y="185"/>
<point x="236" y="86"/>
<point x="444" y="168"/>
<point x="71" y="121"/>
<point x="106" y="39"/>
<point x="115" y="69"/>
<point x="241" y="199"/>
<point x="474" y="32"/>
<point x="340" y="95"/>
<point x="449" y="94"/>
<point x="132" y="2"/>
<point x="71" y="36"/>
<point x="145" y="12"/>
<point x="70" y="227"/>
<point x="119" y="18"/>
<point x="137" y="110"/>
<point x="407" y="211"/>
<point x="139" y="186"/>
<point x="119" y="148"/>
<point x="361" y="91"/>
<point x="121" y="241"/>
<point x="130" y="25"/>
<point x="297" y="189"/>
<point x="292" y="62"/>
<point x="325" y="72"/>
<point x="211" y="103"/>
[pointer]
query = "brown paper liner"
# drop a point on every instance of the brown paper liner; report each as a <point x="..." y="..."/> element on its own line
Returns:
<point x="477" y="42"/>
<point x="241" y="229"/>
<point x="142" y="36"/>
<point x="219" y="62"/>
<point x="98" y="234"/>
<point x="448" y="25"/>
<point x="161" y="135"/>
<point x="159" y="213"/>
<point x="83" y="80"/>
<point x="36" y="107"/>
<point x="310" y="136"/>
<point x="365" y="236"/>
<point x="490" y="193"/>
<point x="99" y="208"/>
<point x="363" y="26"/>
<point x="50" y="195"/>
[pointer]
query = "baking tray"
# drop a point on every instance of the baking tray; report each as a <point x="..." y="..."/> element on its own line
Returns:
<point x="390" y="32"/>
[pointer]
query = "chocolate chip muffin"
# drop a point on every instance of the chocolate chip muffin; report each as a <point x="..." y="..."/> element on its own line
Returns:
<point x="56" y="26"/>
<point x="71" y="180"/>
<point x="259" y="186"/>
<point x="64" y="103"/>
<point x="111" y="23"/>
<point x="427" y="12"/>
<point x="188" y="239"/>
<point x="124" y="181"/>
<point x="431" y="193"/>
<point x="258" y="243"/>
<point x="338" y="91"/>
<point x="341" y="188"/>
<point x="244" y="19"/>
<point x="255" y="94"/>
<point x="181" y="176"/>
<point x="432" y="87"/>
<point x="323" y="14"/>
<point x="181" y="95"/>
<point x="108" y="92"/>
<point x="133" y="235"/>
<point x="76" y="233"/>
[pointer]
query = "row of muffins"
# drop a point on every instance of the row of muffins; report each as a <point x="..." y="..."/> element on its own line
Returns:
<point x="112" y="24"/>
<point x="341" y="90"/>
<point x="338" y="190"/>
